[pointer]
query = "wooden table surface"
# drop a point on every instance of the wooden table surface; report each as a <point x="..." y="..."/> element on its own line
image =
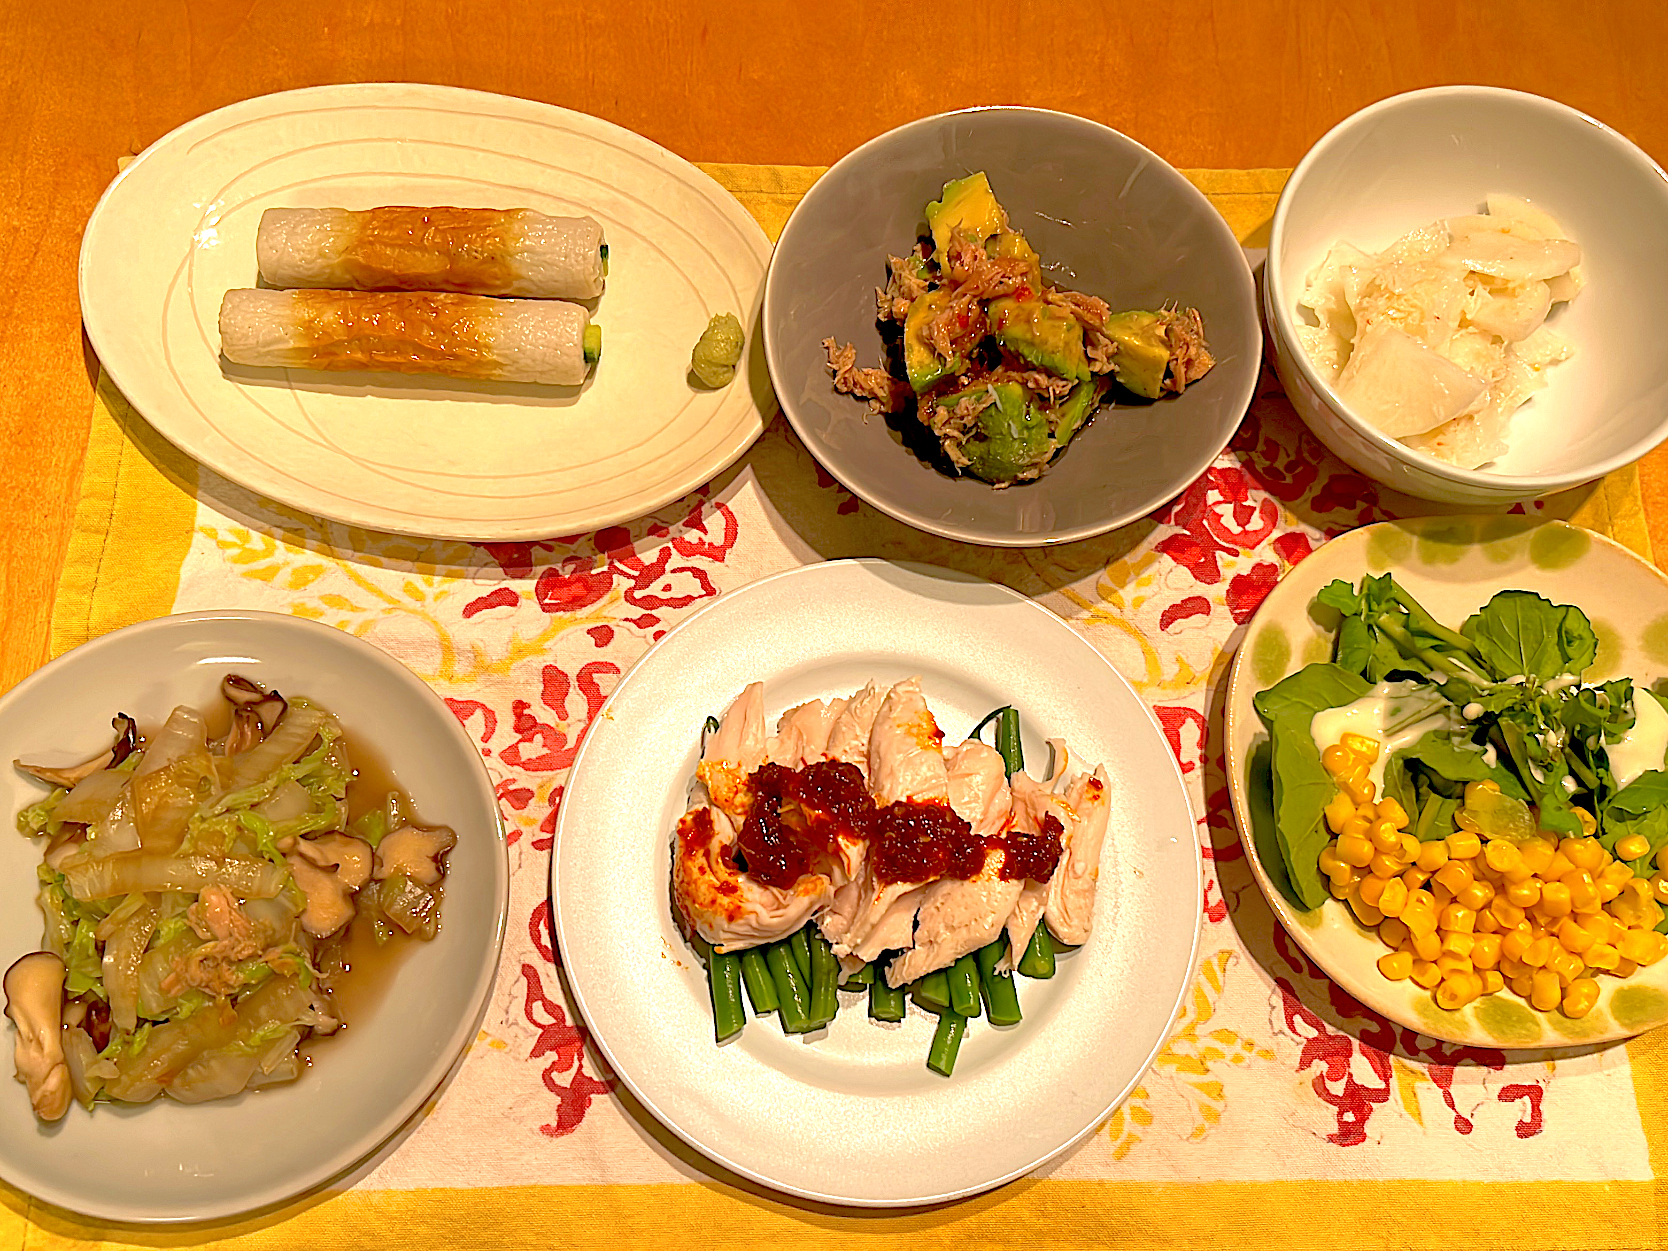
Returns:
<point x="1246" y="83"/>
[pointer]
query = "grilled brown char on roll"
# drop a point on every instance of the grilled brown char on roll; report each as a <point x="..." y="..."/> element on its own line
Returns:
<point x="514" y="252"/>
<point x="414" y="332"/>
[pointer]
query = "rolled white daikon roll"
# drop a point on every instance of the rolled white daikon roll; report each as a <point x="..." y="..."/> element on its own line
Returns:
<point x="479" y="251"/>
<point x="411" y="332"/>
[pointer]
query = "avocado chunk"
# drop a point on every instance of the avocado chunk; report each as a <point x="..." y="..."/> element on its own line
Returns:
<point x="1143" y="354"/>
<point x="1011" y="245"/>
<point x="969" y="206"/>
<point x="921" y="360"/>
<point x="1042" y="335"/>
<point x="1073" y="410"/>
<point x="1012" y="435"/>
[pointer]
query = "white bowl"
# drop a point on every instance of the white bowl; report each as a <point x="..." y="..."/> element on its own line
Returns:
<point x="1415" y="158"/>
<point x="166" y="1161"/>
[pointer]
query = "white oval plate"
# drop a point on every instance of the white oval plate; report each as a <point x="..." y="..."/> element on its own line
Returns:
<point x="424" y="455"/>
<point x="852" y="1115"/>
<point x="1453" y="566"/>
<point x="165" y="1161"/>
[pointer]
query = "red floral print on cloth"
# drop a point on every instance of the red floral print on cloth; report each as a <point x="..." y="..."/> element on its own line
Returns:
<point x="1352" y="1070"/>
<point x="659" y="571"/>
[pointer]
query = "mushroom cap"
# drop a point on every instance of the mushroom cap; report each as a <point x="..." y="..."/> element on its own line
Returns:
<point x="34" y="988"/>
<point x="350" y="856"/>
<point x="415" y="852"/>
<point x="329" y="897"/>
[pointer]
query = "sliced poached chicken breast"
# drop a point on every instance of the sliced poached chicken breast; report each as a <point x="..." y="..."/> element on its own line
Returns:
<point x="802" y="733"/>
<point x="906" y="762"/>
<point x="729" y="909"/>
<point x="733" y="751"/>
<point x="1032" y="802"/>
<point x="848" y="737"/>
<point x="958" y="917"/>
<point x="1071" y="891"/>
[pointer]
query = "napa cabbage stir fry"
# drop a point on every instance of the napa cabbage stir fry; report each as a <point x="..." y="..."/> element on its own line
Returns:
<point x="1498" y="820"/>
<point x="203" y="893"/>
<point x="1001" y="366"/>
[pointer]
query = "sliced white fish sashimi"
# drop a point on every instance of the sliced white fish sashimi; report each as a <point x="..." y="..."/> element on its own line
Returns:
<point x="1071" y="891"/>
<point x="733" y="751"/>
<point x="722" y="904"/>
<point x="958" y="917"/>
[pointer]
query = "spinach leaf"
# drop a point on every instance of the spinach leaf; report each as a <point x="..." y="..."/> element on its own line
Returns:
<point x="1647" y="791"/>
<point x="1307" y="691"/>
<point x="1652" y="823"/>
<point x="1259" y="787"/>
<point x="1521" y="634"/>
<point x="1301" y="785"/>
<point x="1302" y="789"/>
<point x="1458" y="760"/>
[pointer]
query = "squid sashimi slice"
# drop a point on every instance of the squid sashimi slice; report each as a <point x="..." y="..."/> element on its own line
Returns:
<point x="722" y="904"/>
<point x="906" y="755"/>
<point x="1071" y="891"/>
<point x="958" y="917"/>
<point x="733" y="752"/>
<point x="1403" y="387"/>
<point x="848" y="737"/>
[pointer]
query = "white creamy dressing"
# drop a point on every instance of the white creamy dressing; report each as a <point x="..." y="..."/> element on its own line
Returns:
<point x="1644" y="746"/>
<point x="1395" y="714"/>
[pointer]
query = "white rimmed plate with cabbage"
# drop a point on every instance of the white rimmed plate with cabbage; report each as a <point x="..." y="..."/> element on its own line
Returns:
<point x="210" y="936"/>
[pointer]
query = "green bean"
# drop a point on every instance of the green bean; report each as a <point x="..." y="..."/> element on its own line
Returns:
<point x="885" y="1002"/>
<point x="755" y="975"/>
<point x="946" y="1042"/>
<point x="724" y="982"/>
<point x="1038" y="960"/>
<point x="1001" y="999"/>
<point x="825" y="979"/>
<point x="863" y="977"/>
<point x="1007" y="741"/>
<point x="963" y="977"/>
<point x="800" y="944"/>
<point x="792" y="997"/>
<point x="933" y="991"/>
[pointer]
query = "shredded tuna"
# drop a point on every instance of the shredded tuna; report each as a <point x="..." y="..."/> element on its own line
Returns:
<point x="954" y="425"/>
<point x="885" y="393"/>
<point x="1091" y="312"/>
<point x="1036" y="381"/>
<point x="1190" y="359"/>
<point x="903" y="288"/>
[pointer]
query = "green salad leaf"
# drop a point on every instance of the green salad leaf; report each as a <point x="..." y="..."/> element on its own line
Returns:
<point x="1521" y="634"/>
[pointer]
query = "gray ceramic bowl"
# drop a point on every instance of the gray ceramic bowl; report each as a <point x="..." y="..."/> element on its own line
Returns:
<point x="1109" y="218"/>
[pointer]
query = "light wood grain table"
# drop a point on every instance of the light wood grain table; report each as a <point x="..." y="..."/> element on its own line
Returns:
<point x="1234" y="84"/>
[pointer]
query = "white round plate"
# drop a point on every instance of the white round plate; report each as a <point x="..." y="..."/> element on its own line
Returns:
<point x="851" y="1114"/>
<point x="1453" y="566"/>
<point x="414" y="454"/>
<point x="165" y="1161"/>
